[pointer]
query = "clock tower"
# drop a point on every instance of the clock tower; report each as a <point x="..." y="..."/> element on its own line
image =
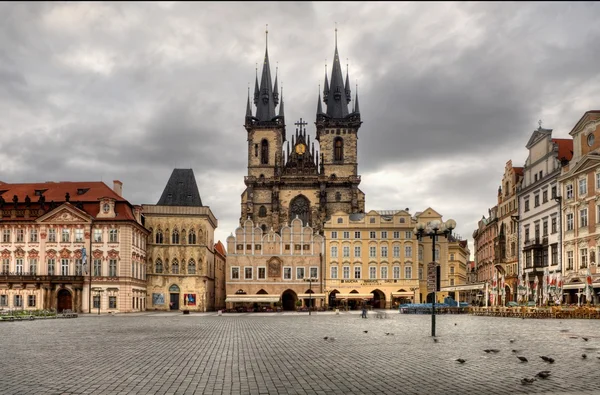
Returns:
<point x="292" y="179"/>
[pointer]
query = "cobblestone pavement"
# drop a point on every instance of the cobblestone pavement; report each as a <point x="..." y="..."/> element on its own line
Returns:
<point x="281" y="353"/>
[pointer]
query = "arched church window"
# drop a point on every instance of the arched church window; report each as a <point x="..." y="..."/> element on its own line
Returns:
<point x="175" y="237"/>
<point x="338" y="146"/>
<point x="159" y="237"/>
<point x="262" y="211"/>
<point x="191" y="267"/>
<point x="338" y="196"/>
<point x="192" y="237"/>
<point x="175" y="266"/>
<point x="264" y="152"/>
<point x="159" y="266"/>
<point x="300" y="207"/>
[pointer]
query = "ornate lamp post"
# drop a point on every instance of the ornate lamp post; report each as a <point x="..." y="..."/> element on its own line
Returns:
<point x="433" y="230"/>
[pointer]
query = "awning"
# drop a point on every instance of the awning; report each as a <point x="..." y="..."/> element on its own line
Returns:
<point x="468" y="287"/>
<point x="574" y="286"/>
<point x="252" y="298"/>
<point x="353" y="296"/>
<point x="313" y="296"/>
<point x="402" y="294"/>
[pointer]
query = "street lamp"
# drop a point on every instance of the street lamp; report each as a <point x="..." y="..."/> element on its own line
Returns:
<point x="310" y="280"/>
<point x="99" y="295"/>
<point x="433" y="230"/>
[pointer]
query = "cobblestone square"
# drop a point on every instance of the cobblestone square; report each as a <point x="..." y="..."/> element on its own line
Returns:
<point x="285" y="353"/>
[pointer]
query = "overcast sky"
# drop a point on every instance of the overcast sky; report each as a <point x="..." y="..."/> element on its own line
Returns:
<point x="448" y="92"/>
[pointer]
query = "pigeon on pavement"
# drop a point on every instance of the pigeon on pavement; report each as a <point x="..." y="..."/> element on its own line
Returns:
<point x="543" y="374"/>
<point x="461" y="360"/>
<point x="523" y="359"/>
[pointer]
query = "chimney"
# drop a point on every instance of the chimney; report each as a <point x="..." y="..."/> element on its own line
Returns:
<point x="118" y="187"/>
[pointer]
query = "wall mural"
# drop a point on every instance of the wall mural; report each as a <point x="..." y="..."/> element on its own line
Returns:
<point x="158" y="299"/>
<point x="189" y="299"/>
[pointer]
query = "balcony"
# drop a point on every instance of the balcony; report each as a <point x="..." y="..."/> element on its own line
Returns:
<point x="29" y="277"/>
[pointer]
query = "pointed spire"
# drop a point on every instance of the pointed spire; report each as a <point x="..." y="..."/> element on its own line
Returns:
<point x="288" y="150"/>
<point x="356" y="109"/>
<point x="256" y="87"/>
<point x="347" y="85"/>
<point x="326" y="87"/>
<point x="248" y="108"/>
<point x="319" y="108"/>
<point x="281" y="105"/>
<point x="275" y="88"/>
<point x="338" y="107"/>
<point x="265" y="108"/>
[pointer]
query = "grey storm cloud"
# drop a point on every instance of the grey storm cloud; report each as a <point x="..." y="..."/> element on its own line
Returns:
<point x="448" y="91"/>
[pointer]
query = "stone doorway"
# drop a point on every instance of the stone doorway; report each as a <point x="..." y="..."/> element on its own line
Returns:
<point x="64" y="300"/>
<point x="288" y="300"/>
<point x="173" y="297"/>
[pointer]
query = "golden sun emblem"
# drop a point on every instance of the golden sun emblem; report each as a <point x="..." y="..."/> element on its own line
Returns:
<point x="300" y="149"/>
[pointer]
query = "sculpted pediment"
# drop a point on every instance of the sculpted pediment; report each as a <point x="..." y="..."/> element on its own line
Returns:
<point x="65" y="214"/>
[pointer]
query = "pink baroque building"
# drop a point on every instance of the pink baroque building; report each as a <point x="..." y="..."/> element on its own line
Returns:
<point x="71" y="246"/>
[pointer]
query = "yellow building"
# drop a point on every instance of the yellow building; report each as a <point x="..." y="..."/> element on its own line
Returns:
<point x="181" y="258"/>
<point x="376" y="257"/>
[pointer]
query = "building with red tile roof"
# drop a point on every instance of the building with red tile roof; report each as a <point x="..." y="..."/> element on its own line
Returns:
<point x="49" y="234"/>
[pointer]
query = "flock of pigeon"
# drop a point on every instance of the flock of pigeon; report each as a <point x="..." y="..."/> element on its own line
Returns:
<point x="544" y="374"/>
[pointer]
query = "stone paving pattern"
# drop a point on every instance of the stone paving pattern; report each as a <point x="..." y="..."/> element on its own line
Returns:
<point x="285" y="353"/>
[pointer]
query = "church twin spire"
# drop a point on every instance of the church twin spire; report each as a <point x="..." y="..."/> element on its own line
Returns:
<point x="266" y="96"/>
<point x="336" y="95"/>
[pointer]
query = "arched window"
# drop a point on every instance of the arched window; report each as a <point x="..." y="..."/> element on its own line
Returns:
<point x="191" y="267"/>
<point x="338" y="147"/>
<point x="264" y="152"/>
<point x="175" y="237"/>
<point x="262" y="211"/>
<point x="175" y="266"/>
<point x="159" y="266"/>
<point x="300" y="207"/>
<point x="192" y="237"/>
<point x="159" y="237"/>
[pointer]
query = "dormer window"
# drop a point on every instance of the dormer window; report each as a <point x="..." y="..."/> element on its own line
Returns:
<point x="106" y="208"/>
<point x="81" y="191"/>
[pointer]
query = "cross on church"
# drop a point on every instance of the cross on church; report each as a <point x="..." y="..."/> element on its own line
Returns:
<point x="301" y="123"/>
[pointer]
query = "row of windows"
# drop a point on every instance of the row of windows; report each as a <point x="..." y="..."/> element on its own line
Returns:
<point x="160" y="268"/>
<point x="65" y="267"/>
<point x="261" y="273"/>
<point x="383" y="272"/>
<point x="584" y="259"/>
<point x="408" y="252"/>
<point x="65" y="235"/>
<point x="112" y="302"/>
<point x="536" y="198"/>
<point x="18" y="300"/>
<point x="373" y="220"/>
<point x="159" y="238"/>
<point x="372" y="234"/>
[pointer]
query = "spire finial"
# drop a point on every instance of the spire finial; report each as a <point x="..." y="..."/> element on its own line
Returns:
<point x="336" y="34"/>
<point x="267" y="34"/>
<point x="540" y="123"/>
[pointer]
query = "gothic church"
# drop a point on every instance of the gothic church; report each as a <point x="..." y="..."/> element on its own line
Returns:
<point x="288" y="180"/>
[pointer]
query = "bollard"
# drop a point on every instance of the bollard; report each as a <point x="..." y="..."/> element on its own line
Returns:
<point x="220" y="313"/>
<point x="337" y="311"/>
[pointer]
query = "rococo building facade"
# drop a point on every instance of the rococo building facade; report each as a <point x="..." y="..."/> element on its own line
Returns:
<point x="50" y="234"/>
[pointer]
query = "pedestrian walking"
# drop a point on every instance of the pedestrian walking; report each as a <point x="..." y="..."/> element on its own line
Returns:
<point x="364" y="311"/>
